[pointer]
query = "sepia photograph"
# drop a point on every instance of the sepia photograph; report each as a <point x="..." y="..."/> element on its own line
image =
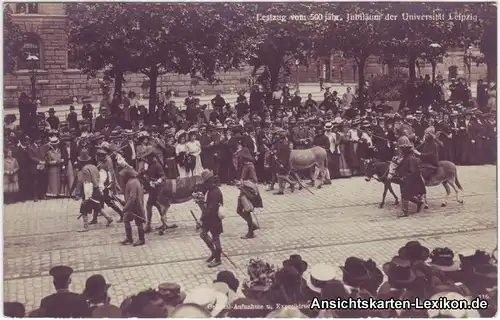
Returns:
<point x="250" y="159"/>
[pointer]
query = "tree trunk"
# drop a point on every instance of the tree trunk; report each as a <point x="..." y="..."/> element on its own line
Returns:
<point x="118" y="81"/>
<point x="361" y="83"/>
<point x="491" y="69"/>
<point x="411" y="68"/>
<point x="153" y="79"/>
<point x="433" y="64"/>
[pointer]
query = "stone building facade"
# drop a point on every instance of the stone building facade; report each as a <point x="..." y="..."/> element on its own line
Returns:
<point x="58" y="81"/>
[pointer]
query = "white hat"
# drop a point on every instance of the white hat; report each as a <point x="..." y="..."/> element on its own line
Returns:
<point x="319" y="273"/>
<point x="179" y="134"/>
<point x="337" y="120"/>
<point x="223" y="288"/>
<point x="208" y="298"/>
<point x="328" y="126"/>
<point x="452" y="313"/>
<point x="53" y="140"/>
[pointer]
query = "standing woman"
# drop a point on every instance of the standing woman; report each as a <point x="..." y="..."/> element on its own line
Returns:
<point x="169" y="158"/>
<point x="54" y="164"/>
<point x="181" y="152"/>
<point x="143" y="138"/>
<point x="10" y="177"/>
<point x="68" y="154"/>
<point x="194" y="149"/>
<point x="341" y="149"/>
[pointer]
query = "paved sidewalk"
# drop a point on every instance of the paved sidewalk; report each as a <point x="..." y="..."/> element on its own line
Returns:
<point x="336" y="222"/>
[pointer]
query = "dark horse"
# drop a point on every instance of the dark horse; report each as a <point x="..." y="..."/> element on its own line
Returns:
<point x="445" y="175"/>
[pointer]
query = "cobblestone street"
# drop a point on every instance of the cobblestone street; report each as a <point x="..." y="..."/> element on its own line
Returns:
<point x="339" y="221"/>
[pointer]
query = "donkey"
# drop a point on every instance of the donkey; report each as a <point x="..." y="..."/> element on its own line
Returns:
<point x="446" y="175"/>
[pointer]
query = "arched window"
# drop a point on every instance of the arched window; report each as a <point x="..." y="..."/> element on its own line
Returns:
<point x="26" y="8"/>
<point x="31" y="47"/>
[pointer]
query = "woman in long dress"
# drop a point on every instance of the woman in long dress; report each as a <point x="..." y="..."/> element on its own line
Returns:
<point x="10" y="177"/>
<point x="341" y="149"/>
<point x="67" y="165"/>
<point x="194" y="149"/>
<point x="54" y="164"/>
<point x="181" y="148"/>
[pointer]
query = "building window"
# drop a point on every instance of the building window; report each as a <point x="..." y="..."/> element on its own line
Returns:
<point x="31" y="47"/>
<point x="72" y="59"/>
<point x="27" y="8"/>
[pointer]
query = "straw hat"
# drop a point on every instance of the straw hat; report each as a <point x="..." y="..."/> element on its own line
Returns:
<point x="208" y="298"/>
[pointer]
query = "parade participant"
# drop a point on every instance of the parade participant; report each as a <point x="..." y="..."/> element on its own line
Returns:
<point x="157" y="143"/>
<point x="210" y="218"/>
<point x="143" y="138"/>
<point x="181" y="152"/>
<point x="325" y="138"/>
<point x="429" y="154"/>
<point x="245" y="163"/>
<point x="248" y="200"/>
<point x="91" y="194"/>
<point x="133" y="209"/>
<point x="154" y="177"/>
<point x="106" y="180"/>
<point x="63" y="303"/>
<point x="282" y="157"/>
<point x="412" y="186"/>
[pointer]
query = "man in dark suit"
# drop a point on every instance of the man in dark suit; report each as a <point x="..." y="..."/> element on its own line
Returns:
<point x="129" y="152"/>
<point x="63" y="303"/>
<point x="482" y="94"/>
<point x="36" y="153"/>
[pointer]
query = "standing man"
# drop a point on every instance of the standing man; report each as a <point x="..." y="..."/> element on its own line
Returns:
<point x="155" y="176"/>
<point x="133" y="210"/>
<point x="210" y="217"/>
<point x="63" y="303"/>
<point x="36" y="153"/>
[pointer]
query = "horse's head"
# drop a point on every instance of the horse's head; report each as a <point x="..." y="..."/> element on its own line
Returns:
<point x="369" y="169"/>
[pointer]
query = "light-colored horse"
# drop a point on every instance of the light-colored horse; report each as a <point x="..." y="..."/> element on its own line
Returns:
<point x="307" y="158"/>
<point x="446" y="175"/>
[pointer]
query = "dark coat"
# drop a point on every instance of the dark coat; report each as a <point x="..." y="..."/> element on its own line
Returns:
<point x="73" y="150"/>
<point x="210" y="216"/>
<point x="409" y="171"/>
<point x="64" y="305"/>
<point x="36" y="154"/>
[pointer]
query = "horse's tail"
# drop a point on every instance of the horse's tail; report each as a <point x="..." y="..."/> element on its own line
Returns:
<point x="458" y="182"/>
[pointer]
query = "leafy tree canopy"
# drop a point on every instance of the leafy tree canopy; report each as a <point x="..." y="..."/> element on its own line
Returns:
<point x="12" y="40"/>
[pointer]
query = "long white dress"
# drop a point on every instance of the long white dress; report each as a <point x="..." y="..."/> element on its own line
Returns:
<point x="178" y="149"/>
<point x="194" y="149"/>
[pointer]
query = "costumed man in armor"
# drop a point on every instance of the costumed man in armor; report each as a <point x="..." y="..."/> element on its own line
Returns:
<point x="106" y="180"/>
<point x="154" y="176"/>
<point x="429" y="154"/>
<point x="91" y="200"/>
<point x="210" y="202"/>
<point x="133" y="208"/>
<point x="412" y="185"/>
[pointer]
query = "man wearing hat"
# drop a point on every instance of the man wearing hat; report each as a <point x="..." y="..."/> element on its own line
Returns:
<point x="52" y="119"/>
<point x="412" y="186"/>
<point x="155" y="175"/>
<point x="36" y="152"/>
<point x="63" y="303"/>
<point x="300" y="135"/>
<point x="133" y="209"/>
<point x="96" y="292"/>
<point x="210" y="218"/>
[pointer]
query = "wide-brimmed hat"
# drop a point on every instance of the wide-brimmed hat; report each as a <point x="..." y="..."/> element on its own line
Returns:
<point x="319" y="275"/>
<point x="366" y="124"/>
<point x="328" y="126"/>
<point x="444" y="260"/>
<point x="451" y="313"/>
<point x="171" y="293"/>
<point x="355" y="269"/>
<point x="228" y="278"/>
<point x="399" y="271"/>
<point x="207" y="298"/>
<point x="95" y="286"/>
<point x="205" y="175"/>
<point x="179" y="134"/>
<point x="51" y="110"/>
<point x="54" y="140"/>
<point x="414" y="251"/>
<point x="296" y="261"/>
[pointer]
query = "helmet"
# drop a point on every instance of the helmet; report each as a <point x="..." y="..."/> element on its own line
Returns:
<point x="404" y="142"/>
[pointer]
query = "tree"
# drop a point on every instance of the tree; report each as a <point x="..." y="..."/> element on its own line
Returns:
<point x="157" y="38"/>
<point x="416" y="39"/>
<point x="12" y="41"/>
<point x="281" y="42"/>
<point x="356" y="39"/>
<point x="98" y="38"/>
